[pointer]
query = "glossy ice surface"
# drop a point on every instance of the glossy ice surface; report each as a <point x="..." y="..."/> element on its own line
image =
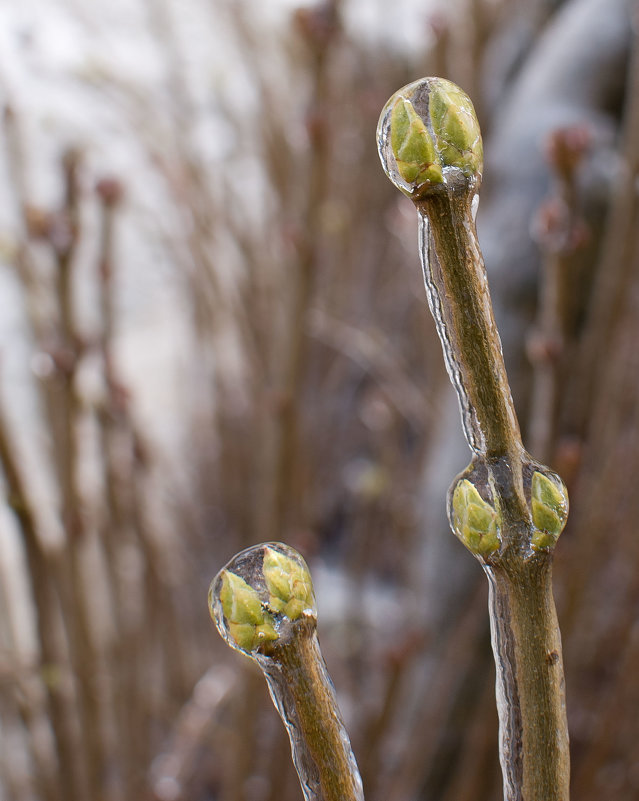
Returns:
<point x="258" y="595"/>
<point x="428" y="136"/>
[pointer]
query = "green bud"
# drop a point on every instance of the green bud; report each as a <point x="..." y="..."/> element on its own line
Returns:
<point x="457" y="134"/>
<point x="249" y="624"/>
<point x="412" y="145"/>
<point x="240" y="602"/>
<point x="424" y="129"/>
<point x="474" y="521"/>
<point x="289" y="584"/>
<point x="549" y="504"/>
<point x="249" y="637"/>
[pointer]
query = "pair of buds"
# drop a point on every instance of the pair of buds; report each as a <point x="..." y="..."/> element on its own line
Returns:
<point x="260" y="593"/>
<point x="478" y="524"/>
<point x="430" y="126"/>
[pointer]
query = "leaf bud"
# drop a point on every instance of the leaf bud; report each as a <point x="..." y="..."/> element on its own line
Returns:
<point x="457" y="134"/>
<point x="549" y="506"/>
<point x="474" y="520"/>
<point x="288" y="582"/>
<point x="413" y="146"/>
<point x="248" y="623"/>
<point x="428" y="137"/>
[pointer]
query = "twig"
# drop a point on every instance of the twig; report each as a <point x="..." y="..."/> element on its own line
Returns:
<point x="380" y="359"/>
<point x="65" y="414"/>
<point x="614" y="273"/>
<point x="320" y="25"/>
<point x="561" y="233"/>
<point x="25" y="704"/>
<point x="263" y="605"/>
<point x="507" y="509"/>
<point x="432" y="703"/>
<point x="52" y="654"/>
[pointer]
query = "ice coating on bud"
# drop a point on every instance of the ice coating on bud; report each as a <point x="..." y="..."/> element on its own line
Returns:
<point x="289" y="584"/>
<point x="474" y="520"/>
<point x="549" y="505"/>
<point x="260" y="597"/>
<point x="428" y="137"/>
<point x="249" y="624"/>
<point x="412" y="145"/>
<point x="454" y="122"/>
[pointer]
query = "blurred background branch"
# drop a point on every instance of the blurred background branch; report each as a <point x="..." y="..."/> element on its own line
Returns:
<point x="212" y="334"/>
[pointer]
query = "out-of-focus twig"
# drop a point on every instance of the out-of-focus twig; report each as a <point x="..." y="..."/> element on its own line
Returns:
<point x="614" y="273"/>
<point x="377" y="357"/>
<point x="561" y="233"/>
<point x="54" y="659"/>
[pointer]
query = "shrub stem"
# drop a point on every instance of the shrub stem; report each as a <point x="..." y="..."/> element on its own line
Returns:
<point x="507" y="508"/>
<point x="458" y="296"/>
<point x="525" y="632"/>
<point x="530" y="682"/>
<point x="303" y="693"/>
<point x="263" y="605"/>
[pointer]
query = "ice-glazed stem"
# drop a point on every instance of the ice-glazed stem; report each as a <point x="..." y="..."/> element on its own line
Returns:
<point x="460" y="302"/>
<point x="263" y="605"/>
<point x="530" y="683"/>
<point x="505" y="507"/>
<point x="303" y="693"/>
